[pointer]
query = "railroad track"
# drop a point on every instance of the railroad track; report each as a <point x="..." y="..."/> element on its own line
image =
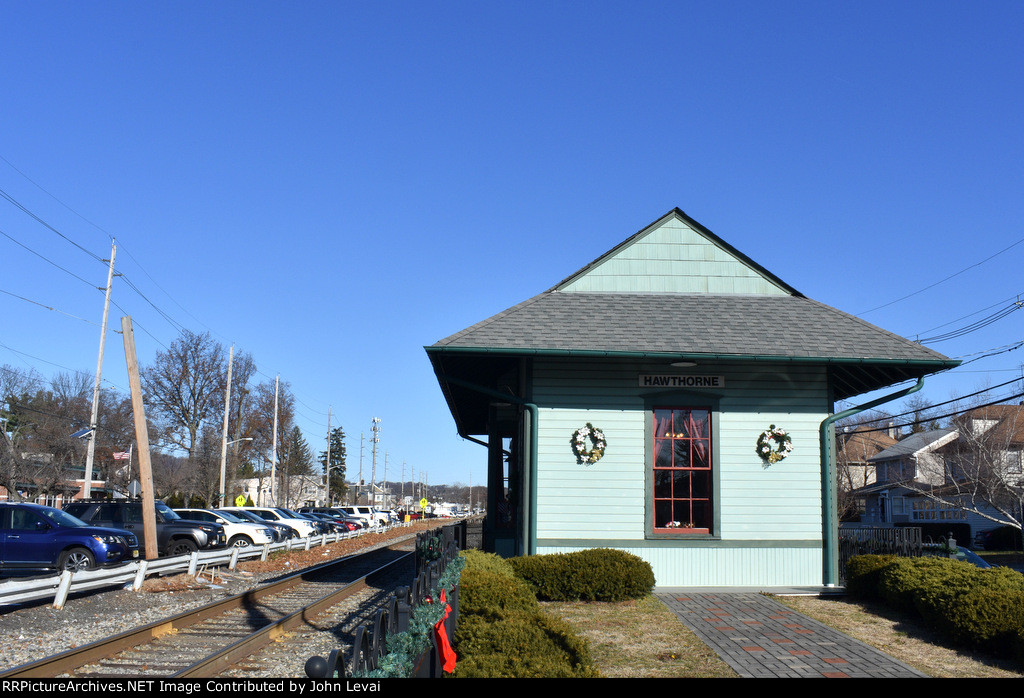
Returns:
<point x="221" y="638"/>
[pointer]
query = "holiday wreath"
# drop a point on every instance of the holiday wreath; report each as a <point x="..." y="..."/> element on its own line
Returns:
<point x="579" y="444"/>
<point x="773" y="445"/>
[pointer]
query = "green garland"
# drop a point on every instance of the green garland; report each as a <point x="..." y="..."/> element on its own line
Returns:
<point x="404" y="648"/>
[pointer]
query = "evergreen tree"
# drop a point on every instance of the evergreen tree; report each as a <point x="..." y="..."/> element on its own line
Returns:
<point x="338" y="455"/>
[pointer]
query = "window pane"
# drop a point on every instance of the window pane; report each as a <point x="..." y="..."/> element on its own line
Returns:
<point x="681" y="423"/>
<point x="701" y="454"/>
<point x="681" y="489"/>
<point x="662" y="514"/>
<point x="702" y="484"/>
<point x="682" y="453"/>
<point x="702" y="515"/>
<point x="662" y="422"/>
<point x="663" y="484"/>
<point x="663" y="453"/>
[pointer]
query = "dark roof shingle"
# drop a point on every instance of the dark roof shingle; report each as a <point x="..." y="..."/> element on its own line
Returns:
<point x="699" y="324"/>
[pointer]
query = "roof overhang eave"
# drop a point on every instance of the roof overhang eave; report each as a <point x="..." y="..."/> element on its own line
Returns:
<point x="931" y="365"/>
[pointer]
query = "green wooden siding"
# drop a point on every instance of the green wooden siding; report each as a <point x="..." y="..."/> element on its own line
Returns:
<point x="752" y="564"/>
<point x="672" y="258"/>
<point x="765" y="516"/>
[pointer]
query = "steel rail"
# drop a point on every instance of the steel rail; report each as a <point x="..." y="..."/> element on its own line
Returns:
<point x="224" y="659"/>
<point x="67" y="662"/>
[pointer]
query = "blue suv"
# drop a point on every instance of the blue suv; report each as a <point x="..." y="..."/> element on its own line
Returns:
<point x="33" y="536"/>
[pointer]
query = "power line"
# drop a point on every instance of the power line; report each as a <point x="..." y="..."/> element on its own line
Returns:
<point x="951" y="276"/>
<point x="47" y="260"/>
<point x="956" y="399"/>
<point x="47" y="307"/>
<point x="933" y="418"/>
<point x="29" y="213"/>
<point x="975" y="326"/>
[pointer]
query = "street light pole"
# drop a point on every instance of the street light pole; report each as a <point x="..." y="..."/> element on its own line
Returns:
<point x="224" y="438"/>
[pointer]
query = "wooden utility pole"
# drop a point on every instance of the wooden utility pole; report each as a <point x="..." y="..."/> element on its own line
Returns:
<point x="93" y="421"/>
<point x="142" y="439"/>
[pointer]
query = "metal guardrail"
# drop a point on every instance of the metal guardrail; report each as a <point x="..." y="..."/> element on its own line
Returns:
<point x="59" y="587"/>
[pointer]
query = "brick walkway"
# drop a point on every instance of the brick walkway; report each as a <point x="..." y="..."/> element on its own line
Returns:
<point x="759" y="637"/>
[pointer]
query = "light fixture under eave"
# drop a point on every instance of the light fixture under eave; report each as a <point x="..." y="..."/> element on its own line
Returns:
<point x="684" y="364"/>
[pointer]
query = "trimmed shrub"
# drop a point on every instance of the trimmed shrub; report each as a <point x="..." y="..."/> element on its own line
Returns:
<point x="972" y="607"/>
<point x="525" y="645"/>
<point x="600" y="574"/>
<point x="863" y="572"/>
<point x="898" y="582"/>
<point x="977" y="608"/>
<point x="989" y="619"/>
<point x="479" y="560"/>
<point x="491" y="595"/>
<point x="503" y="633"/>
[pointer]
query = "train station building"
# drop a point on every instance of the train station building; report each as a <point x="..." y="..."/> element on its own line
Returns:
<point x="673" y="399"/>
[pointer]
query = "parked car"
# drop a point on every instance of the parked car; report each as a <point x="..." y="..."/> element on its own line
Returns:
<point x="240" y="533"/>
<point x="174" y="535"/>
<point x="304" y="528"/>
<point x="333" y="525"/>
<point x="962" y="554"/>
<point x="281" y="532"/>
<point x="1001" y="538"/>
<point x="352" y="523"/>
<point x="322" y="527"/>
<point x="33" y="536"/>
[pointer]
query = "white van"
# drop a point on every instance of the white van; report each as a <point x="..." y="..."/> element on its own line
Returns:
<point x="373" y="516"/>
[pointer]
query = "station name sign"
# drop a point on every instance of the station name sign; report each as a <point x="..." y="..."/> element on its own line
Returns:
<point x="676" y="381"/>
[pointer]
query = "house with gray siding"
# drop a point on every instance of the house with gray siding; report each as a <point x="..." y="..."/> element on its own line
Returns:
<point x="672" y="399"/>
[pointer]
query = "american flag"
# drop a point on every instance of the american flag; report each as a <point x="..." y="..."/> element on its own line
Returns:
<point x="122" y="455"/>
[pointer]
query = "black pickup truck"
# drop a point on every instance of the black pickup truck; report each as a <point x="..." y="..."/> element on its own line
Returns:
<point x="175" y="535"/>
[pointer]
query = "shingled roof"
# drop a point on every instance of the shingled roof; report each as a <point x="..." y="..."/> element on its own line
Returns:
<point x="703" y="300"/>
<point x="730" y="326"/>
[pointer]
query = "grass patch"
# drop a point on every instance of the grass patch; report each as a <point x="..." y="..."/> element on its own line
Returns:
<point x="639" y="639"/>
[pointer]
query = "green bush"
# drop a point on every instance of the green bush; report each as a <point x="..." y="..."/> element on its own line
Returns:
<point x="600" y="574"/>
<point x="863" y="572"/>
<point x="525" y="645"/>
<point x="503" y="633"/>
<point x="945" y="581"/>
<point x="491" y="595"/>
<point x="972" y="607"/>
<point x="479" y="560"/>
<point x="976" y="608"/>
<point x="987" y="619"/>
<point x="898" y="582"/>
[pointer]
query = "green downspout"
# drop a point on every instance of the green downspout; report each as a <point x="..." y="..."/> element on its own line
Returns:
<point x="828" y="479"/>
<point x="529" y="507"/>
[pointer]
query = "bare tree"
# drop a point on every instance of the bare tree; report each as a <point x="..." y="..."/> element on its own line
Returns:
<point x="985" y="466"/>
<point x="184" y="389"/>
<point x="16" y="387"/>
<point x="977" y="468"/>
<point x="858" y="439"/>
<point x="40" y="449"/>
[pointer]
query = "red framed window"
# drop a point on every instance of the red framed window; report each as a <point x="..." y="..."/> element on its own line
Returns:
<point x="682" y="470"/>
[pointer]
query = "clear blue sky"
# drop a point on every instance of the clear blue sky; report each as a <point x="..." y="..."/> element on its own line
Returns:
<point x="331" y="186"/>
